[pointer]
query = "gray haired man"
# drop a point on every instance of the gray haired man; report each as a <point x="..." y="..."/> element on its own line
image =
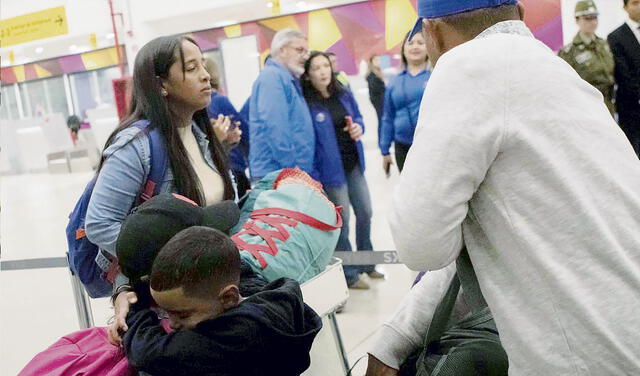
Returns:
<point x="280" y="126"/>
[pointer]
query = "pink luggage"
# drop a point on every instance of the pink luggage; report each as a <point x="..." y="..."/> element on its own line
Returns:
<point x="83" y="353"/>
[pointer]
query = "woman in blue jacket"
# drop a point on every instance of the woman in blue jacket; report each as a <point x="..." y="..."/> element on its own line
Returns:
<point x="339" y="159"/>
<point x="402" y="102"/>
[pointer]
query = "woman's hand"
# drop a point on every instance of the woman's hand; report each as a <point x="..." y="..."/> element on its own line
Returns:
<point x="377" y="368"/>
<point x="386" y="164"/>
<point x="355" y="131"/>
<point x="119" y="325"/>
<point x="234" y="134"/>
<point x="221" y="127"/>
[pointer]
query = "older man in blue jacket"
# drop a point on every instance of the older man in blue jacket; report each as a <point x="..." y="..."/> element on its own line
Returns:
<point x="281" y="129"/>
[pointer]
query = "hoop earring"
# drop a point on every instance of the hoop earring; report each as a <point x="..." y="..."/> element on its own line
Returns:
<point x="164" y="92"/>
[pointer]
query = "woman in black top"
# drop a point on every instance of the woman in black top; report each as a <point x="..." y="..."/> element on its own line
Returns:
<point x="339" y="159"/>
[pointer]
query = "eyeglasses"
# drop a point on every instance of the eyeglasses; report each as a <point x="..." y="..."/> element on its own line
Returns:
<point x="300" y="50"/>
<point x="590" y="18"/>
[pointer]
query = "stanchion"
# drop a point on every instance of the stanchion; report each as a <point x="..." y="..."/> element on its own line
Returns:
<point x="83" y="304"/>
<point x="338" y="338"/>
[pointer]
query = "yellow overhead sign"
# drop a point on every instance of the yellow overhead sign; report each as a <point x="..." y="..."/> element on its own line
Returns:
<point x="33" y="26"/>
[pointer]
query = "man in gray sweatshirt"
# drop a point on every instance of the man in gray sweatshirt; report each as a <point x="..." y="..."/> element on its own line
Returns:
<point x="518" y="159"/>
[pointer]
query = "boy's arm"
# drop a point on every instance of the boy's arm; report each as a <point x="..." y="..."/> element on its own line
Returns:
<point x="150" y="349"/>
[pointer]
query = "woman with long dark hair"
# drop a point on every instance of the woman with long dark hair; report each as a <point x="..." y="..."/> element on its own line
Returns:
<point x="339" y="158"/>
<point x="402" y="102"/>
<point x="171" y="90"/>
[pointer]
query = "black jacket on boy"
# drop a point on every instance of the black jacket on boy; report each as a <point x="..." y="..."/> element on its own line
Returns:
<point x="268" y="333"/>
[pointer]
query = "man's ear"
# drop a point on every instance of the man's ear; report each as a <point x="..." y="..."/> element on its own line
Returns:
<point x="432" y="32"/>
<point x="521" y="11"/>
<point x="229" y="297"/>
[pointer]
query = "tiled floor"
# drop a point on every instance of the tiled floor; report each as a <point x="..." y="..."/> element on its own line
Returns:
<point x="37" y="305"/>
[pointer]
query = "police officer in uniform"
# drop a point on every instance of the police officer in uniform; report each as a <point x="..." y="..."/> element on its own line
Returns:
<point x="589" y="54"/>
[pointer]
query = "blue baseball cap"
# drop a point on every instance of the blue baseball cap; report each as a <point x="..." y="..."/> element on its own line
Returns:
<point x="440" y="8"/>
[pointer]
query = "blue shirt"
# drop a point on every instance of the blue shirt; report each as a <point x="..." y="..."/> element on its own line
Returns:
<point x="240" y="153"/>
<point x="401" y="107"/>
<point x="281" y="129"/>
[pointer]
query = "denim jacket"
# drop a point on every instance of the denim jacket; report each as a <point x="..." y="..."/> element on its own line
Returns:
<point x="127" y="164"/>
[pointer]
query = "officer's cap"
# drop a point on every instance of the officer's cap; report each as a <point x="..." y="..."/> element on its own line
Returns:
<point x="586" y="8"/>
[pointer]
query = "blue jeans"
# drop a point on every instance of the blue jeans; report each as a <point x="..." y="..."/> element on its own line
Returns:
<point x="355" y="193"/>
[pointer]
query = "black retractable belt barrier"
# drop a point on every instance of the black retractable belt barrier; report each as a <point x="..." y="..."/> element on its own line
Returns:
<point x="368" y="257"/>
<point x="83" y="303"/>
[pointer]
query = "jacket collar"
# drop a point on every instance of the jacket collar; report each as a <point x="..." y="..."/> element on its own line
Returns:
<point x="280" y="67"/>
<point x="405" y="71"/>
<point x="579" y="39"/>
<point x="507" y="27"/>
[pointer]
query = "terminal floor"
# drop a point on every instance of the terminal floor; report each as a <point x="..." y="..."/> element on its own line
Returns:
<point x="38" y="307"/>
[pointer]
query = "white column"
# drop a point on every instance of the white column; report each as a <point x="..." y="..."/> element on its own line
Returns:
<point x="67" y="93"/>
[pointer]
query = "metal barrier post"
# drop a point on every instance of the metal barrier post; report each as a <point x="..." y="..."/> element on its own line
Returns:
<point x="338" y="338"/>
<point x="83" y="304"/>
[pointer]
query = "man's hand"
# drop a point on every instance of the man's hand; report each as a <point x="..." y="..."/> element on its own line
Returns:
<point x="386" y="164"/>
<point x="377" y="368"/>
<point x="355" y="131"/>
<point x="119" y="325"/>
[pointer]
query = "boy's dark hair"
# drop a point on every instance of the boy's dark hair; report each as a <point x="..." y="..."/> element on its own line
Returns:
<point x="472" y="23"/>
<point x="625" y="2"/>
<point x="200" y="260"/>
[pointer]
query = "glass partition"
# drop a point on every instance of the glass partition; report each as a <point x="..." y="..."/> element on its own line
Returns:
<point x="45" y="96"/>
<point x="8" y="103"/>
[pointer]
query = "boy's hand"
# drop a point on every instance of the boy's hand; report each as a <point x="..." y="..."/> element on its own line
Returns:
<point x="123" y="301"/>
<point x="377" y="368"/>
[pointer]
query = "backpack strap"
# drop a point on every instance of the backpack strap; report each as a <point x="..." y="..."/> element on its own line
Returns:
<point x="300" y="217"/>
<point x="159" y="161"/>
<point x="276" y="218"/>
